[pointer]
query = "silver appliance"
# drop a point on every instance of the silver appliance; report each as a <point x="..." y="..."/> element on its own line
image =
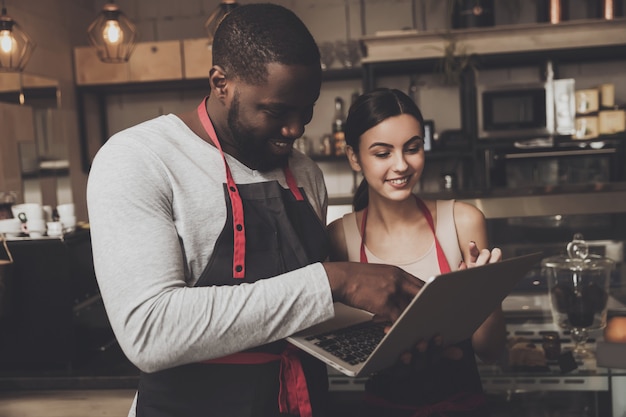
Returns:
<point x="526" y="110"/>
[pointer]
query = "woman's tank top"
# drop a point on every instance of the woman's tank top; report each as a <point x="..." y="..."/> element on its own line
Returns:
<point x="423" y="266"/>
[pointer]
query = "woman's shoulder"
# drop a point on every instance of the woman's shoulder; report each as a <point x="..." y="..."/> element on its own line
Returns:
<point x="466" y="214"/>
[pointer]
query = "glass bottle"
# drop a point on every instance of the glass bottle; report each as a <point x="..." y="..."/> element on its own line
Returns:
<point x="339" y="121"/>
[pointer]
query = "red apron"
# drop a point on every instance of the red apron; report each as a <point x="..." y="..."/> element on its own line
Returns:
<point x="389" y="395"/>
<point x="268" y="231"/>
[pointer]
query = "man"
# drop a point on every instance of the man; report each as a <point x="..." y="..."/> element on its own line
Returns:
<point x="209" y="240"/>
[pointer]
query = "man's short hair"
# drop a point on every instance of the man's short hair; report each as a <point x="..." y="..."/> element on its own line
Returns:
<point x="254" y="35"/>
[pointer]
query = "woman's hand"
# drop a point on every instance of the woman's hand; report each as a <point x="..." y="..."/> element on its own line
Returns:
<point x="480" y="257"/>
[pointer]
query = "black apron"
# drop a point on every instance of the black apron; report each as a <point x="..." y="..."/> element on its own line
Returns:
<point x="282" y="233"/>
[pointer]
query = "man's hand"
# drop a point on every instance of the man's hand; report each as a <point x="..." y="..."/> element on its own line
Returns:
<point x="380" y="289"/>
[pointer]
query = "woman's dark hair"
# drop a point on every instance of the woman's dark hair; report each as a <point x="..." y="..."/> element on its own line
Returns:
<point x="254" y="35"/>
<point x="369" y="110"/>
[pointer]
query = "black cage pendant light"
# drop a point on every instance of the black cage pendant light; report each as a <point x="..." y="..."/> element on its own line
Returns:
<point x="113" y="34"/>
<point x="16" y="47"/>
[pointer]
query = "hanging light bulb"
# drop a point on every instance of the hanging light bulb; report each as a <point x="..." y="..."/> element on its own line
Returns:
<point x="15" y="45"/>
<point x="7" y="42"/>
<point x="216" y="17"/>
<point x="113" y="35"/>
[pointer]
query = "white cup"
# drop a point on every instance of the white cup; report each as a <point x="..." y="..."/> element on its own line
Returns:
<point x="66" y="210"/>
<point x="36" y="228"/>
<point x="69" y="223"/>
<point x="47" y="210"/>
<point x="11" y="227"/>
<point x="31" y="210"/>
<point x="55" y="229"/>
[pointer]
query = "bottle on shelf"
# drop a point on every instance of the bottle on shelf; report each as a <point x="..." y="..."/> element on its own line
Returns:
<point x="339" y="120"/>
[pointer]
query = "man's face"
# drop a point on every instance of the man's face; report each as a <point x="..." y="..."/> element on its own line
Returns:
<point x="266" y="119"/>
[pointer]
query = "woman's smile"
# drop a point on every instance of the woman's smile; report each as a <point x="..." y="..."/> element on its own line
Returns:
<point x="399" y="182"/>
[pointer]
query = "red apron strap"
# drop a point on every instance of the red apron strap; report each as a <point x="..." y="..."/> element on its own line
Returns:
<point x="444" y="266"/>
<point x="239" y="229"/>
<point x="363" y="256"/>
<point x="293" y="396"/>
<point x="293" y="185"/>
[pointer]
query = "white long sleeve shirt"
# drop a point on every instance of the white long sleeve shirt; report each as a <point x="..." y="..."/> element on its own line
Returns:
<point x="156" y="207"/>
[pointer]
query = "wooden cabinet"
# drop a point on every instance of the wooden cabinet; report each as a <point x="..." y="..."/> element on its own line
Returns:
<point x="88" y="69"/>
<point x="154" y="61"/>
<point x="150" y="61"/>
<point x="197" y="59"/>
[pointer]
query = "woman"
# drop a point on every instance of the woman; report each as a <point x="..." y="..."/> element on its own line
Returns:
<point x="391" y="225"/>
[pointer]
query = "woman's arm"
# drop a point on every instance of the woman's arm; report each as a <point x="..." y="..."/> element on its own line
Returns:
<point x="490" y="339"/>
<point x="338" y="248"/>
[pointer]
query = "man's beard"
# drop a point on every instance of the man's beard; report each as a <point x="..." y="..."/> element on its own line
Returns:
<point x="253" y="150"/>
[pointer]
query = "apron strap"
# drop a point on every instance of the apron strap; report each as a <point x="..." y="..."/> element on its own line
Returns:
<point x="293" y="396"/>
<point x="444" y="266"/>
<point x="293" y="185"/>
<point x="239" y="228"/>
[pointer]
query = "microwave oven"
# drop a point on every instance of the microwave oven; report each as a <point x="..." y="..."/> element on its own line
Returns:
<point x="530" y="110"/>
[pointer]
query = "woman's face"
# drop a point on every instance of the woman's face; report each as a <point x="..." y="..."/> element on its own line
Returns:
<point x="391" y="157"/>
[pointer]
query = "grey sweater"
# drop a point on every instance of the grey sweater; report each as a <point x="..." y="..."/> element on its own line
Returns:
<point x="156" y="208"/>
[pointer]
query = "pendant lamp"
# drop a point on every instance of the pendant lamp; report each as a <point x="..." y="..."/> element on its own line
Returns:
<point x="216" y="17"/>
<point x="16" y="46"/>
<point x="113" y="34"/>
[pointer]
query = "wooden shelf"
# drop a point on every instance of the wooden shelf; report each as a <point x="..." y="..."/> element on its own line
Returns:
<point x="505" y="39"/>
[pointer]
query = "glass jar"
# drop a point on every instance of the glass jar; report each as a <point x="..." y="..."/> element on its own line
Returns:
<point x="578" y="286"/>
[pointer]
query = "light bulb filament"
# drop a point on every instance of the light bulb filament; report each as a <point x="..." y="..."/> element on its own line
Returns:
<point x="7" y="42"/>
<point x="112" y="32"/>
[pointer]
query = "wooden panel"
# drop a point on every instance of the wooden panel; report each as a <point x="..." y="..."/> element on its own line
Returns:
<point x="24" y="123"/>
<point x="197" y="58"/>
<point x="10" y="81"/>
<point x="17" y="125"/>
<point x="155" y="61"/>
<point x="90" y="70"/>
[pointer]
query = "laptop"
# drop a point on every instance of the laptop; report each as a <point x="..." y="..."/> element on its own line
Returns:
<point x="453" y="305"/>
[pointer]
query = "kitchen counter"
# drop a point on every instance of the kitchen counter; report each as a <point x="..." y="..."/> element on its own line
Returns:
<point x="105" y="370"/>
<point x="550" y="200"/>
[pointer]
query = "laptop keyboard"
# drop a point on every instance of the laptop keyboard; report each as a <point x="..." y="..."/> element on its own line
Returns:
<point x="352" y="344"/>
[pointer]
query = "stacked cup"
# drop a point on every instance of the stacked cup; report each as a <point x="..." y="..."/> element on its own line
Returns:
<point x="35" y="220"/>
<point x="67" y="217"/>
